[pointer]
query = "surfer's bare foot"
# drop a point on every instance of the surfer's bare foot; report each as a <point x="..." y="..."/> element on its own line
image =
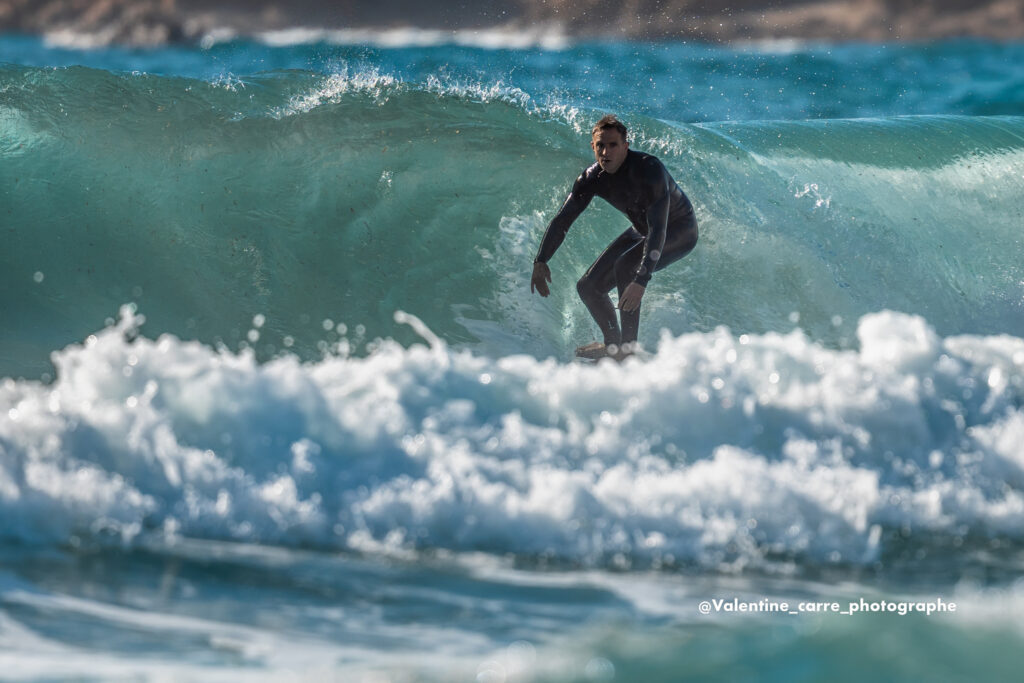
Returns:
<point x="598" y="350"/>
<point x="592" y="351"/>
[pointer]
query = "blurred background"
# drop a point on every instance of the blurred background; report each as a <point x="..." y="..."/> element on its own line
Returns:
<point x="153" y="22"/>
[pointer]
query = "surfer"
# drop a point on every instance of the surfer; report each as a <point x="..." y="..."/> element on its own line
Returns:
<point x="663" y="229"/>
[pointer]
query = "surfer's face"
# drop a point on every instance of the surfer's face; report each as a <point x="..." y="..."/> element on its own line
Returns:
<point x="609" y="149"/>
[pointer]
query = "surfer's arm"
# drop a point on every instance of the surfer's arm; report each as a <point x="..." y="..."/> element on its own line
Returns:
<point x="578" y="199"/>
<point x="540" y="278"/>
<point x="656" y="182"/>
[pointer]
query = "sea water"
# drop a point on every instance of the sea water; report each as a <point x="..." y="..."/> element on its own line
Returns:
<point x="277" y="403"/>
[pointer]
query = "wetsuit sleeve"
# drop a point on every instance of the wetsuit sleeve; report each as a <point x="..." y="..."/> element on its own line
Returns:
<point x="656" y="181"/>
<point x="577" y="200"/>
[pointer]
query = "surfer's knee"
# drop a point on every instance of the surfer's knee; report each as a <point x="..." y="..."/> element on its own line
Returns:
<point x="585" y="288"/>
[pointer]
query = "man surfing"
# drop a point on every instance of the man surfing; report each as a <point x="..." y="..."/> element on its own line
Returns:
<point x="663" y="230"/>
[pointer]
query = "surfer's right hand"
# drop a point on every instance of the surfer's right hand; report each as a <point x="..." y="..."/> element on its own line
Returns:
<point x="541" y="278"/>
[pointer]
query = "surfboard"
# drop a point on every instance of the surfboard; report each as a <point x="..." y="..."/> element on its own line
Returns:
<point x="594" y="351"/>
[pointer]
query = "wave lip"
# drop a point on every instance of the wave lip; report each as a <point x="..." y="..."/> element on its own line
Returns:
<point x="719" y="451"/>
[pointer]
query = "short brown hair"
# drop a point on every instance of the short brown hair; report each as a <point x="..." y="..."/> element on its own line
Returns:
<point x="609" y="121"/>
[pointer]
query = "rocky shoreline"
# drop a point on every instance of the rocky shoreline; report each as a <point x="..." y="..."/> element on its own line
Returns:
<point x="158" y="22"/>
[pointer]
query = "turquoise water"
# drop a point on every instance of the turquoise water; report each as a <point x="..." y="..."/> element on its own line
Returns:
<point x="277" y="402"/>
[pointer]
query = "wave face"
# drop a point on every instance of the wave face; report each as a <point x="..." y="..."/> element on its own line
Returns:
<point x="285" y="211"/>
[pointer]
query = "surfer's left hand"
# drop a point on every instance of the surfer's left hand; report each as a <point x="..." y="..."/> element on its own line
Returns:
<point x="540" y="279"/>
<point x="630" y="299"/>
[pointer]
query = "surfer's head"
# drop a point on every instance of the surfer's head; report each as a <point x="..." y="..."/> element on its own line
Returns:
<point x="608" y="139"/>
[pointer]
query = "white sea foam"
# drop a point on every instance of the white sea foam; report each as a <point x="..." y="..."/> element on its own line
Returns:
<point x="547" y="37"/>
<point x="333" y="87"/>
<point x="80" y="40"/>
<point x="345" y="81"/>
<point x="716" y="449"/>
<point x="255" y="653"/>
<point x="381" y="87"/>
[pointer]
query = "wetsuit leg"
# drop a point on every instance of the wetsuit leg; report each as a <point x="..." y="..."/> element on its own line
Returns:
<point x="617" y="266"/>
<point x="680" y="241"/>
<point x="600" y="278"/>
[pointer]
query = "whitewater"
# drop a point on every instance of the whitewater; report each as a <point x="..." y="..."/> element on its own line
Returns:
<point x="276" y="400"/>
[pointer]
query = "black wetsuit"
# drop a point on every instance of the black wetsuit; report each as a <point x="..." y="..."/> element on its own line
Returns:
<point x="663" y="230"/>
